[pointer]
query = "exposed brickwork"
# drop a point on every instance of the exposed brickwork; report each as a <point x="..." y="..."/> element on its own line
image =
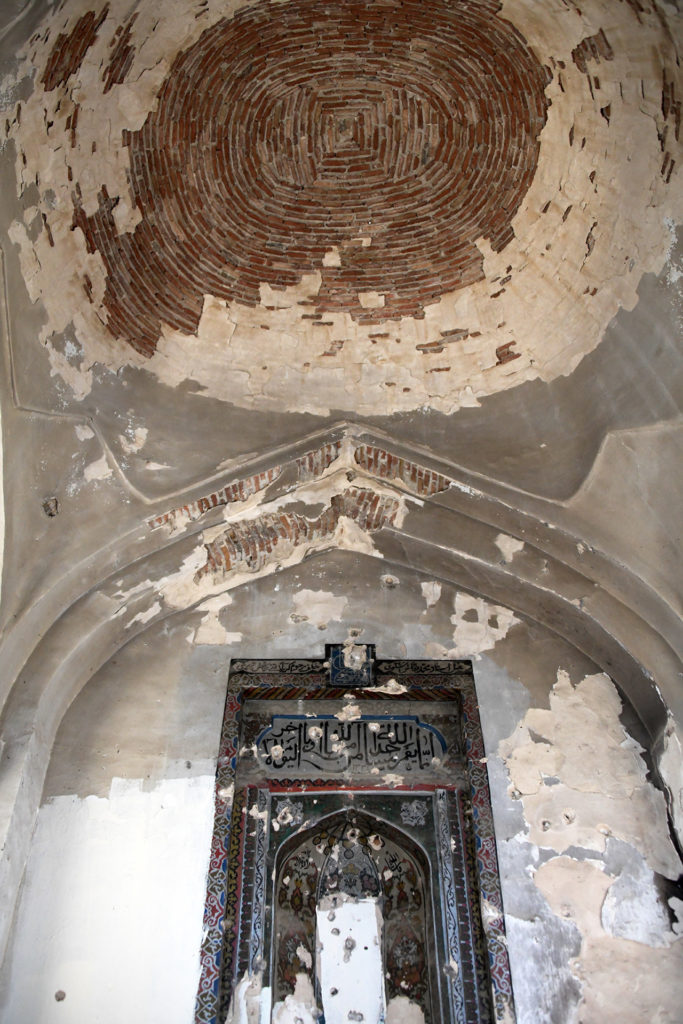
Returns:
<point x="121" y="57"/>
<point x="69" y="50"/>
<point x="284" y="132"/>
<point x="671" y="127"/>
<point x="504" y="353"/>
<point x="251" y="545"/>
<point x="240" y="490"/>
<point x="313" y="464"/>
<point x="594" y="48"/>
<point x="385" y="466"/>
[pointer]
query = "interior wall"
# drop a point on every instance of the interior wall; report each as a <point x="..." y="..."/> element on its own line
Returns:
<point x="111" y="911"/>
<point x="547" y="392"/>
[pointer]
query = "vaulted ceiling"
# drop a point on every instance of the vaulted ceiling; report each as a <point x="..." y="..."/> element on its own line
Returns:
<point x="285" y="276"/>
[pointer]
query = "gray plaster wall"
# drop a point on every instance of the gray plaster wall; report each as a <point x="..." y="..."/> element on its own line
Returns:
<point x="551" y="556"/>
<point x="127" y="805"/>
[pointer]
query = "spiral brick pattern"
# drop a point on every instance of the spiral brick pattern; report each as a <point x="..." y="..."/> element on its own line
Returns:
<point x="373" y="142"/>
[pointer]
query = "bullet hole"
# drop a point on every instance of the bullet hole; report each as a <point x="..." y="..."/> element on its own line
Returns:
<point x="335" y="931"/>
<point x="188" y="764"/>
<point x="334" y="991"/>
<point x="50" y="507"/>
<point x="568" y="815"/>
<point x="60" y="995"/>
<point x="355" y="1015"/>
<point x="349" y="946"/>
<point x="350" y="475"/>
<point x="389" y="582"/>
<point x="545" y="825"/>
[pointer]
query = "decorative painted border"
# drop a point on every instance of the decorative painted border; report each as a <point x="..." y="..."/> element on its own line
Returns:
<point x="273" y="679"/>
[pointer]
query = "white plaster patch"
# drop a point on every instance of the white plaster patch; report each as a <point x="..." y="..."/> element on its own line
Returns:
<point x="246" y="1001"/>
<point x="431" y="591"/>
<point x="478" y="625"/>
<point x="599" y="779"/>
<point x="402" y="1011"/>
<point x="145" y="615"/>
<point x="83" y="432"/>
<point x="349" y="713"/>
<point x="298" y="1008"/>
<point x="392" y="686"/>
<point x="133" y="439"/>
<point x="319" y="606"/>
<point x="98" y="470"/>
<point x="94" y="863"/>
<point x="508" y="546"/>
<point x="576" y="891"/>
<point x="632" y="909"/>
<point x="348" y="937"/>
<point x="210" y="629"/>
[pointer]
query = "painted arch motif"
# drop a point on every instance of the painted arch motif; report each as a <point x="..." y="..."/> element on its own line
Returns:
<point x="356" y="855"/>
<point x="423" y="849"/>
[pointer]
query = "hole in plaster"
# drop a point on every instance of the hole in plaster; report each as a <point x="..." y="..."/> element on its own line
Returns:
<point x="389" y="582"/>
<point x="51" y="507"/>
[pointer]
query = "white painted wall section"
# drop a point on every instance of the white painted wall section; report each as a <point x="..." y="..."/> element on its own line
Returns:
<point x="349" y="935"/>
<point x="110" y="922"/>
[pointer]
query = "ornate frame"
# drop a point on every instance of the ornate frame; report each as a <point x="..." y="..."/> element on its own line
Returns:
<point x="235" y="920"/>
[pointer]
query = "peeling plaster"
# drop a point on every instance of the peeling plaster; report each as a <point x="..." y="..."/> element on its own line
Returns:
<point x="576" y="890"/>
<point x="319" y="607"/>
<point x="508" y="546"/>
<point x="479" y="625"/>
<point x="133" y="440"/>
<point x="210" y="629"/>
<point x="577" y="255"/>
<point x="83" y="432"/>
<point x="670" y="764"/>
<point x="431" y="591"/>
<point x="298" y="1008"/>
<point x="632" y="908"/>
<point x="581" y="778"/>
<point x="98" y="470"/>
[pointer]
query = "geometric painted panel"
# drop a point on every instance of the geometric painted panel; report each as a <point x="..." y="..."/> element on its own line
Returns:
<point x="374" y="791"/>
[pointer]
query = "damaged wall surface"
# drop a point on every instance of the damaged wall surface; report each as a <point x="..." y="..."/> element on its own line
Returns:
<point x="148" y="762"/>
<point x="364" y="325"/>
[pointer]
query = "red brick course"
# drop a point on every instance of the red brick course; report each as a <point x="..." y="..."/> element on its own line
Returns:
<point x="251" y="545"/>
<point x="240" y="490"/>
<point x="121" y="57"/>
<point x="382" y="464"/>
<point x="69" y="50"/>
<point x="286" y="130"/>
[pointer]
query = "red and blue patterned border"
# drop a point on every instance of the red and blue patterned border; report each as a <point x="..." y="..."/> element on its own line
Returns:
<point x="274" y="679"/>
